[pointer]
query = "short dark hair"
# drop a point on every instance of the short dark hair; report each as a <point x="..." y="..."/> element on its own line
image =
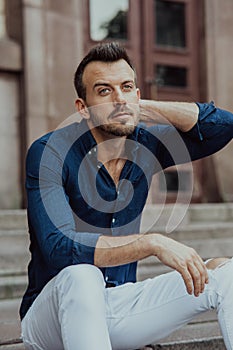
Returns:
<point x="104" y="52"/>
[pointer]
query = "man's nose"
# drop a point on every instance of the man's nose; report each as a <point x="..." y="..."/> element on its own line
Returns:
<point x="119" y="97"/>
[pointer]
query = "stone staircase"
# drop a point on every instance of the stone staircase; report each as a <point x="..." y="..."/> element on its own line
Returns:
<point x="206" y="227"/>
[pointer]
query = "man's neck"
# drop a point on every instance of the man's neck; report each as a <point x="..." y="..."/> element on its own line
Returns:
<point x="110" y="147"/>
<point x="110" y="152"/>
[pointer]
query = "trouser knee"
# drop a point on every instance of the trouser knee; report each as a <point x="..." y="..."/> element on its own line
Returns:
<point x="221" y="275"/>
<point x="82" y="282"/>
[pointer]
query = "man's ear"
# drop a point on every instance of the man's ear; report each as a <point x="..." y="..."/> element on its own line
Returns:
<point x="82" y="108"/>
<point x="138" y="94"/>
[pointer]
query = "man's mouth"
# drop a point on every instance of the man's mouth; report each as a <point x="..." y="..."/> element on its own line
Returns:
<point x="122" y="115"/>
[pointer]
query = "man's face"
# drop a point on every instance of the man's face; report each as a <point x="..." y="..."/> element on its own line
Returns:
<point x="112" y="97"/>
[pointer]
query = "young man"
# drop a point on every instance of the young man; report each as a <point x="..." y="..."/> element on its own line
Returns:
<point x="87" y="184"/>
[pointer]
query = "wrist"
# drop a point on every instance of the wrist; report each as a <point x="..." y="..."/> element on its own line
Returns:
<point x="154" y="243"/>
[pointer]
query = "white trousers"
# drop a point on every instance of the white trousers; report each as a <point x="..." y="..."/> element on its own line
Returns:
<point x="75" y="311"/>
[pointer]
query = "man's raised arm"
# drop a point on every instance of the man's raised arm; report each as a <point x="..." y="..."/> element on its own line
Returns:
<point x="182" y="115"/>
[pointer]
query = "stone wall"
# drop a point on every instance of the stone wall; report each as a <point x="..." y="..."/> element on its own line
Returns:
<point x="53" y="47"/>
<point x="10" y="145"/>
<point x="41" y="43"/>
<point x="9" y="142"/>
<point x="219" y="52"/>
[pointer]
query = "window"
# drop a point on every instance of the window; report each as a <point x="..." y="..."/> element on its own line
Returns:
<point x="108" y="19"/>
<point x="2" y="19"/>
<point x="171" y="76"/>
<point x="169" y="23"/>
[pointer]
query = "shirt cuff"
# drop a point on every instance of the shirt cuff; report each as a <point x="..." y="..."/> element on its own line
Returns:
<point x="204" y="110"/>
<point x="84" y="248"/>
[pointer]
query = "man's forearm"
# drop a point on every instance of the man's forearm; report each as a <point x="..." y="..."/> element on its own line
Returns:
<point x="183" y="115"/>
<point x="114" y="251"/>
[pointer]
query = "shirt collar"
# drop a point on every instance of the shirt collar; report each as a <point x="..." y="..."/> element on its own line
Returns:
<point x="89" y="144"/>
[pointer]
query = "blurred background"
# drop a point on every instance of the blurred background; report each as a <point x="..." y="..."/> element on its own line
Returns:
<point x="182" y="50"/>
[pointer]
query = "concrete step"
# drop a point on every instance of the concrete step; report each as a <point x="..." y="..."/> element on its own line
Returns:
<point x="159" y="215"/>
<point x="12" y="286"/>
<point x="214" y="212"/>
<point x="208" y="212"/>
<point x="200" y="230"/>
<point x="13" y="219"/>
<point x="14" y="346"/>
<point x="214" y="343"/>
<point x="14" y="244"/>
<point x="9" y="322"/>
<point x="14" y="249"/>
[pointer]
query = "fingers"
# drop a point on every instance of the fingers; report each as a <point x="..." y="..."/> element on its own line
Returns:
<point x="185" y="260"/>
<point x="195" y="276"/>
<point x="202" y="267"/>
<point x="187" y="279"/>
<point x="197" y="279"/>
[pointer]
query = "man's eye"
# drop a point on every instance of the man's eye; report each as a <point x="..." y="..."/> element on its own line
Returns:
<point x="104" y="91"/>
<point x="128" y="87"/>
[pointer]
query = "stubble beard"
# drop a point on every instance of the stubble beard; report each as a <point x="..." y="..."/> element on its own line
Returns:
<point x="114" y="129"/>
<point x="117" y="129"/>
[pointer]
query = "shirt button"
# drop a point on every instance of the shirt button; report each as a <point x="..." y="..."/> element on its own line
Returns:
<point x="118" y="192"/>
<point x="113" y="220"/>
<point x="89" y="152"/>
<point x="95" y="149"/>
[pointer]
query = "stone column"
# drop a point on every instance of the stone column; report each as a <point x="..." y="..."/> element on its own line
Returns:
<point x="10" y="67"/>
<point x="53" y="41"/>
<point x="219" y="49"/>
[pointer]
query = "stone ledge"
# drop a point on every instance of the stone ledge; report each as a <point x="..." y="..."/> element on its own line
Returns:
<point x="200" y="344"/>
<point x="214" y="343"/>
<point x="13" y="219"/>
<point x="10" y="55"/>
<point x="11" y="341"/>
<point x="13" y="347"/>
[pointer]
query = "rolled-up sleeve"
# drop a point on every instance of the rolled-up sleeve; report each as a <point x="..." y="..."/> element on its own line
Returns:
<point x="213" y="131"/>
<point x="213" y="122"/>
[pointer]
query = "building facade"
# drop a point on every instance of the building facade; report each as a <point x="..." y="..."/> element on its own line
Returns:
<point x="182" y="50"/>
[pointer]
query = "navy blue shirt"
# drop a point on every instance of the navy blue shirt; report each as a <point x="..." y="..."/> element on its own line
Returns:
<point x="72" y="199"/>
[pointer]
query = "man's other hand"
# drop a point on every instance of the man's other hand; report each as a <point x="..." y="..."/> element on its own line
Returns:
<point x="183" y="259"/>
